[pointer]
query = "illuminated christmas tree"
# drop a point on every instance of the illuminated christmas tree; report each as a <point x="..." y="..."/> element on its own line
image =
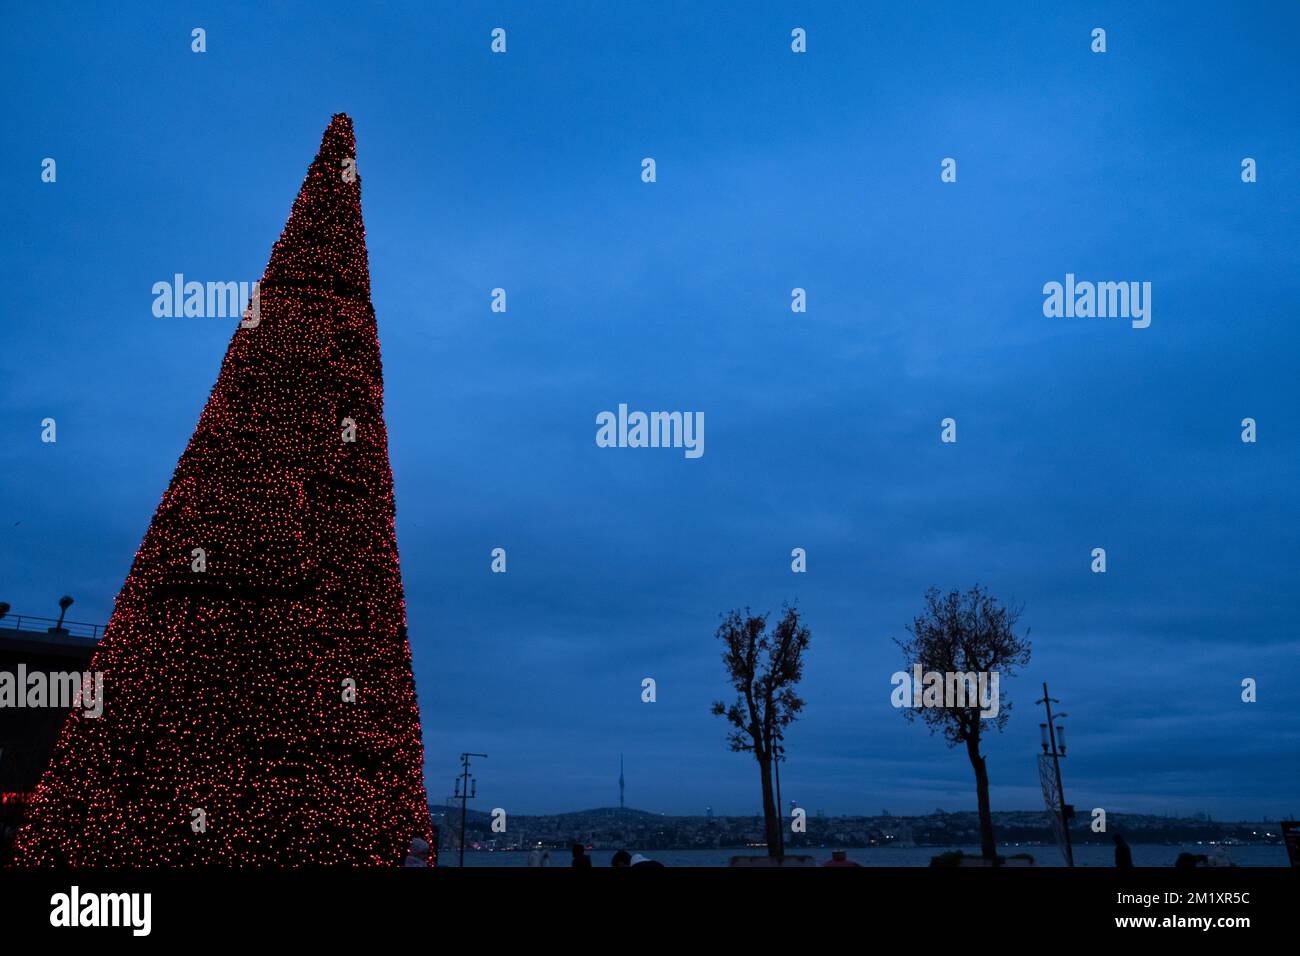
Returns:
<point x="259" y="706"/>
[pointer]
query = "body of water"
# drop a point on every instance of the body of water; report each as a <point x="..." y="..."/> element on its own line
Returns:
<point x="1143" y="855"/>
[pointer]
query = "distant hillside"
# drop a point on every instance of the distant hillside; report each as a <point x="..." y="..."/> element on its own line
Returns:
<point x="616" y="813"/>
<point x="610" y="812"/>
<point x="614" y="827"/>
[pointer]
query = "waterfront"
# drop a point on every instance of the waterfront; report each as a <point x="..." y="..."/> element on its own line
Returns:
<point x="1144" y="855"/>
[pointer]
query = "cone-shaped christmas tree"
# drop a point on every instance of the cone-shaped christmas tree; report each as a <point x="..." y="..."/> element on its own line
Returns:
<point x="258" y="702"/>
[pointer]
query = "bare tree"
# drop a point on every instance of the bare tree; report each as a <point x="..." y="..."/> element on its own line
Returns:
<point x="963" y="634"/>
<point x="765" y="666"/>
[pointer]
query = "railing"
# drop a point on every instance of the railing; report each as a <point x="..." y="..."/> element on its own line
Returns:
<point x="48" y="625"/>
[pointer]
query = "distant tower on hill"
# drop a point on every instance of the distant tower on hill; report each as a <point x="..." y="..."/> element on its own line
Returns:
<point x="620" y="781"/>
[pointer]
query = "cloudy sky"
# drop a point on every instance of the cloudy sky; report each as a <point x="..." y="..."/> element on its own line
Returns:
<point x="775" y="171"/>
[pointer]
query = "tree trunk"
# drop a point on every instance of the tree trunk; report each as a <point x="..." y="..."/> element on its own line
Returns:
<point x="771" y="817"/>
<point x="988" y="847"/>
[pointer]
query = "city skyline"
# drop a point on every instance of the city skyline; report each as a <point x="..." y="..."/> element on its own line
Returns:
<point x="925" y="301"/>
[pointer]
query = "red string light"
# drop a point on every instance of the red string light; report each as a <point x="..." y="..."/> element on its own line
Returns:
<point x="225" y="689"/>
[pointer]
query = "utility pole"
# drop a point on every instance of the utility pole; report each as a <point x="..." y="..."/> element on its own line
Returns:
<point x="1049" y="731"/>
<point x="463" y="784"/>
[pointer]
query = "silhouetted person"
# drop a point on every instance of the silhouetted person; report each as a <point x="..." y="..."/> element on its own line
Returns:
<point x="1187" y="861"/>
<point x="418" y="854"/>
<point x="639" y="860"/>
<point x="580" y="859"/>
<point x="621" y="859"/>
<point x="1123" y="853"/>
<point x="840" y="858"/>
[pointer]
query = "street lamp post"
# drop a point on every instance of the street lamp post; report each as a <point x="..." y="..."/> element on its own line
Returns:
<point x="463" y="784"/>
<point x="1052" y="733"/>
<point x="65" y="602"/>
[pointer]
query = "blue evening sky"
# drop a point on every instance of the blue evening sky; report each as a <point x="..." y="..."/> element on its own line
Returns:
<point x="775" y="170"/>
